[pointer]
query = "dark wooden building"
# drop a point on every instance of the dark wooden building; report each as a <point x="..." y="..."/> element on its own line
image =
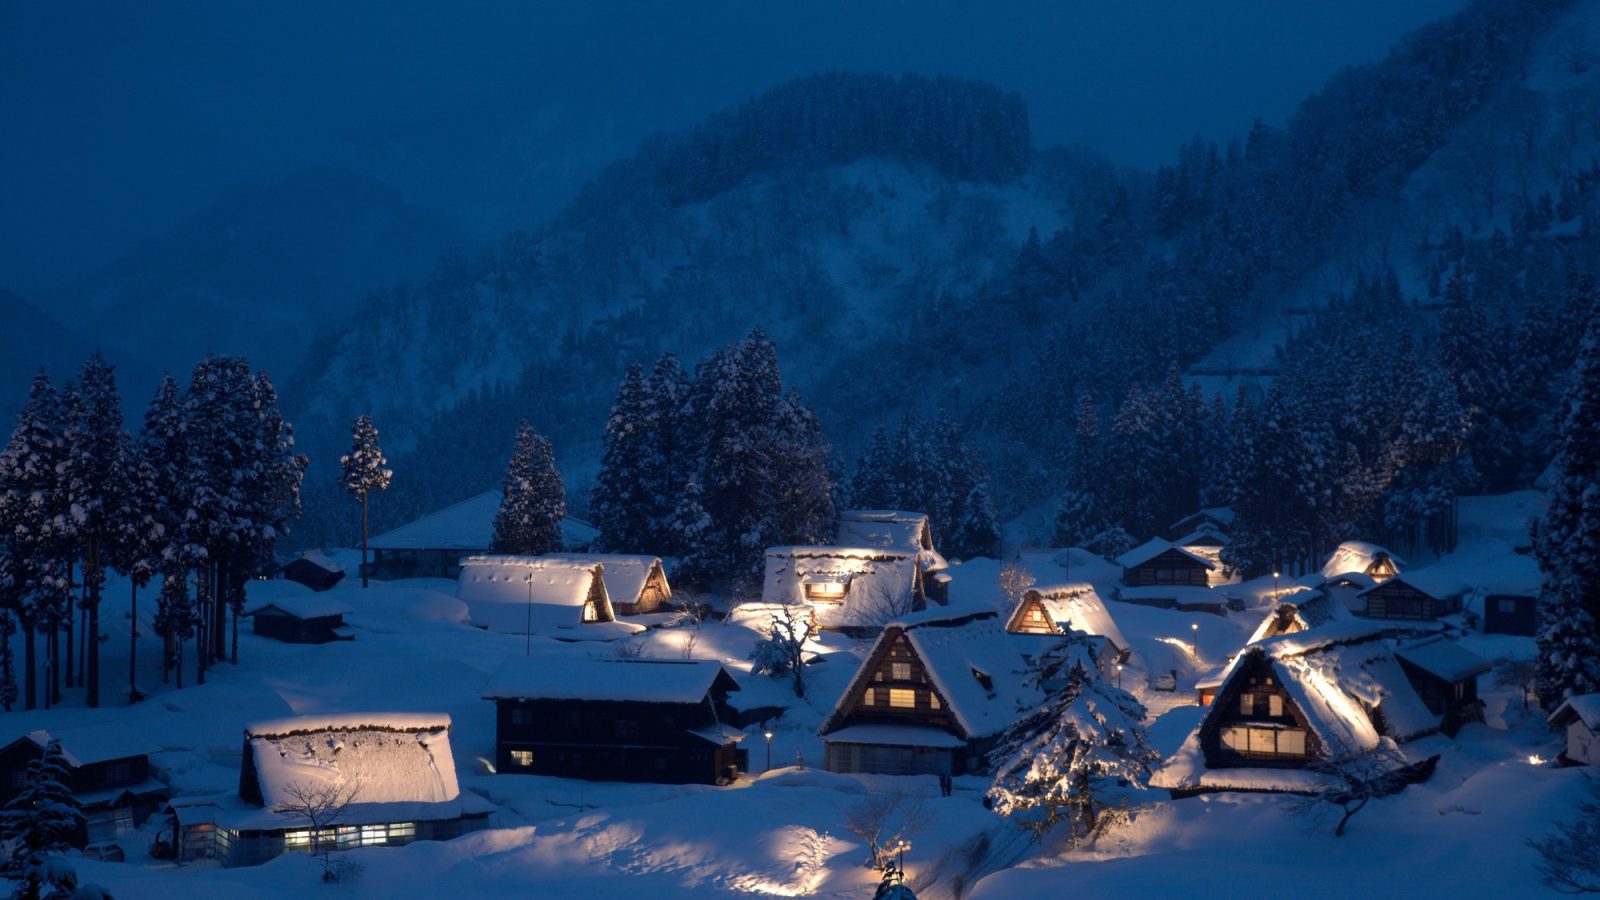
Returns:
<point x="933" y="697"/>
<point x="1445" y="676"/>
<point x="299" y="618"/>
<point x="109" y="776"/>
<point x="1159" y="562"/>
<point x="1410" y="596"/>
<point x="651" y="720"/>
<point x="1255" y="722"/>
<point x="1511" y="614"/>
<point x="314" y="569"/>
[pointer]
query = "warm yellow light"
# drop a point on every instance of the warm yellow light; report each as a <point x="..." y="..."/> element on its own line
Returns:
<point x="1535" y="760"/>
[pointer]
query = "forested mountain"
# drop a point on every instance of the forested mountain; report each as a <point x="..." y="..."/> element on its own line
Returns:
<point x="908" y="252"/>
<point x="31" y="340"/>
<point x="259" y="271"/>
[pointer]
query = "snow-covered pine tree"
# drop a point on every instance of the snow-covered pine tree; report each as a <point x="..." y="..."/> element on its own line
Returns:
<point x="8" y="627"/>
<point x="674" y="451"/>
<point x="977" y="534"/>
<point x="873" y="486"/>
<point x="956" y="472"/>
<point x="43" y="818"/>
<point x="163" y="445"/>
<point x="687" y="531"/>
<point x="1052" y="765"/>
<point x="534" y="500"/>
<point x="1567" y="540"/>
<point x="620" y="502"/>
<point x="271" y="486"/>
<point x="94" y="444"/>
<point x="38" y="524"/>
<point x="365" y="469"/>
<point x="912" y="465"/>
<point x="137" y="537"/>
<point x="739" y="409"/>
<point x="799" y="483"/>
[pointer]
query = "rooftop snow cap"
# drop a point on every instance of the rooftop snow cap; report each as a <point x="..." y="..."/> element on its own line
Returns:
<point x="388" y="757"/>
<point x="618" y="680"/>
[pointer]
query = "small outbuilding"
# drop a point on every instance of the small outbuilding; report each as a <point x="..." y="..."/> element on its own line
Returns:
<point x="1445" y="676"/>
<point x="1412" y="596"/>
<point x="560" y="597"/>
<point x="314" y="568"/>
<point x="298" y="617"/>
<point x="617" y="720"/>
<point x="1580" y="716"/>
<point x="1511" y="614"/>
<point x="108" y="774"/>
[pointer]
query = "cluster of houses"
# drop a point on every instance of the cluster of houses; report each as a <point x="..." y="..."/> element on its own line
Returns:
<point x="1357" y="655"/>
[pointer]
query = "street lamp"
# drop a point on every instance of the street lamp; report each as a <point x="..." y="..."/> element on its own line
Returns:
<point x="527" y="645"/>
<point x="768" y="735"/>
<point x="1274" y="584"/>
<point x="1194" y="642"/>
<point x="1119" y="676"/>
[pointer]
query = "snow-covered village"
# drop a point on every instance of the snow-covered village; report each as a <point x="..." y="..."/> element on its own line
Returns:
<point x="842" y="450"/>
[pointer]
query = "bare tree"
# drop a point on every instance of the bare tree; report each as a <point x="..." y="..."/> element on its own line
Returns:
<point x="783" y="651"/>
<point x="876" y="603"/>
<point x="321" y="806"/>
<point x="1522" y="674"/>
<point x="1354" y="781"/>
<point x="689" y="613"/>
<point x="1569" y="859"/>
<point x="1014" y="581"/>
<point x="885" y="822"/>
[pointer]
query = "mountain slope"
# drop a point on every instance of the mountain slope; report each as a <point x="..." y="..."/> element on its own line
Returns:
<point x="259" y="272"/>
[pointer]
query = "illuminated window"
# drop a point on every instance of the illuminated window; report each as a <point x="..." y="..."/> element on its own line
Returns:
<point x="933" y="700"/>
<point x="826" y="590"/>
<point x="900" y="671"/>
<point x="1274" y="705"/>
<point x="1264" y="741"/>
<point x="590" y="614"/>
<point x="374" y="835"/>
<point x="522" y="758"/>
<point x="902" y="698"/>
<point x="1036" y="615"/>
<point x="1247" y="704"/>
<point x="297" y="840"/>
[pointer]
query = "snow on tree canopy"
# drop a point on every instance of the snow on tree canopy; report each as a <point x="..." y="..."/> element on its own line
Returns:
<point x="615" y="680"/>
<point x="392" y="758"/>
<point x="562" y="597"/>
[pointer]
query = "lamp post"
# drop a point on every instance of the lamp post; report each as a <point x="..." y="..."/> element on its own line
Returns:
<point x="1119" y="676"/>
<point x="768" y="735"/>
<point x="1274" y="584"/>
<point x="527" y="646"/>
<point x="1194" y="641"/>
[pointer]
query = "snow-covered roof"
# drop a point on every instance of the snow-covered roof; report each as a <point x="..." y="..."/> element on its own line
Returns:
<point x="1153" y="548"/>
<point x="625" y="574"/>
<point x="1437" y="582"/>
<point x="1221" y="515"/>
<point x="1357" y="556"/>
<point x="1079" y="604"/>
<point x="308" y="605"/>
<point x="977" y="668"/>
<point x="878" y="584"/>
<point x="1338" y="675"/>
<point x="1444" y="659"/>
<point x="1308" y="609"/>
<point x="389" y="757"/>
<point x="890" y="529"/>
<point x="467" y="526"/>
<point x="895" y="735"/>
<point x="641" y="680"/>
<point x="1181" y="593"/>
<point x="1206" y="535"/>
<point x="510" y="594"/>
<point x="1585" y="707"/>
<point x="85" y="745"/>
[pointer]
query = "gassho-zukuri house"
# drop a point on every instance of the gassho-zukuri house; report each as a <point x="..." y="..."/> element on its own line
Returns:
<point x="932" y="697"/>
<point x="564" y="598"/>
<point x="399" y="765"/>
<point x="846" y="587"/>
<point x="434" y="545"/>
<point x="636" y="585"/>
<point x="661" y="720"/>
<point x="891" y="529"/>
<point x="1287" y="703"/>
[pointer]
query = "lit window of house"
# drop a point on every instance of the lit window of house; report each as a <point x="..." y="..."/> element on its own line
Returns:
<point x="1274" y="705"/>
<point x="523" y="758"/>
<point x="902" y="698"/>
<point x="1264" y="741"/>
<point x="1247" y="704"/>
<point x="590" y="614"/>
<point x="900" y="671"/>
<point x="826" y="590"/>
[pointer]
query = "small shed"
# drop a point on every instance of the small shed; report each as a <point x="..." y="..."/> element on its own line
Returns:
<point x="559" y="597"/>
<point x="108" y="774"/>
<point x="1418" y="595"/>
<point x="298" y="617"/>
<point x="1445" y="675"/>
<point x="1161" y="563"/>
<point x="314" y="568"/>
<point x="654" y="720"/>
<point x="1580" y="716"/>
<point x="1511" y="614"/>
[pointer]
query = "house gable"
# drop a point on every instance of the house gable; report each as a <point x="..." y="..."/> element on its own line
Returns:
<point x="893" y="686"/>
<point x="1255" y="721"/>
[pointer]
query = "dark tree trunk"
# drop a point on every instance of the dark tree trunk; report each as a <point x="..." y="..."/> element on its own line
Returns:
<point x="55" y="654"/>
<point x="363" y="540"/>
<point x="30" y="667"/>
<point x="177" y="665"/>
<point x="219" y="611"/>
<point x="202" y="637"/>
<point x="91" y="632"/>
<point x="133" y="641"/>
<point x="54" y="664"/>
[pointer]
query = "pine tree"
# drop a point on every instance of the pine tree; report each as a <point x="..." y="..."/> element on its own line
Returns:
<point x="43" y="818"/>
<point x="94" y="447"/>
<point x="1567" y="541"/>
<point x="799" y="484"/>
<point x="873" y="486"/>
<point x="163" y="444"/>
<point x="620" y="502"/>
<point x="674" y="447"/>
<point x="1052" y="764"/>
<point x="365" y="470"/>
<point x="138" y="535"/>
<point x="741" y="395"/>
<point x="8" y="627"/>
<point x="271" y="484"/>
<point x="534" y="500"/>
<point x="35" y="514"/>
<point x="977" y="534"/>
<point x="689" y="529"/>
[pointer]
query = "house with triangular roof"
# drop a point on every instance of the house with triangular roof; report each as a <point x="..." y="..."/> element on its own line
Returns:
<point x="558" y="597"/>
